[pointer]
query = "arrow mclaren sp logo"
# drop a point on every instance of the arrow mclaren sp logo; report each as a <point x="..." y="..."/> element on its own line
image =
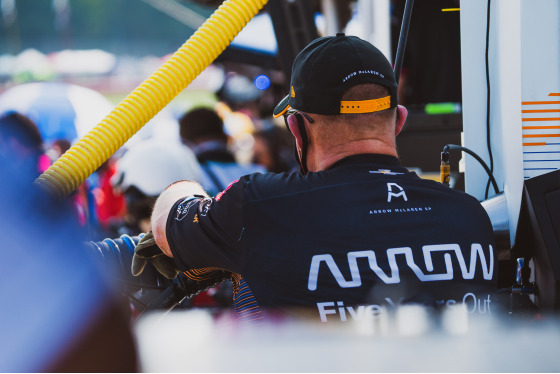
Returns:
<point x="391" y="193"/>
<point x="447" y="274"/>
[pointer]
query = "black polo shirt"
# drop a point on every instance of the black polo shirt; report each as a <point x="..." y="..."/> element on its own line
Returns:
<point x="362" y="235"/>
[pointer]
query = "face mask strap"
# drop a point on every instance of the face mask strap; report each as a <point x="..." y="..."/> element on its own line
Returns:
<point x="303" y="161"/>
<point x="304" y="140"/>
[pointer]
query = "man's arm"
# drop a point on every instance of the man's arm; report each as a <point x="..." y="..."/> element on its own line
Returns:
<point x="163" y="206"/>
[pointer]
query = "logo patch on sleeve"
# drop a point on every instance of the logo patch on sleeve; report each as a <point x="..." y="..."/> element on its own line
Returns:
<point x="185" y="206"/>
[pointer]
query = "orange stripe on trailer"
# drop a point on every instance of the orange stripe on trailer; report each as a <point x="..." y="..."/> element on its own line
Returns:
<point x="533" y="144"/>
<point x="540" y="119"/>
<point x="539" y="102"/>
<point x="540" y="127"/>
<point x="540" y="111"/>
<point x="542" y="136"/>
<point x="554" y="94"/>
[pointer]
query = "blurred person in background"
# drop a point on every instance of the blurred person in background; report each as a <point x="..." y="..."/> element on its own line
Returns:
<point x="202" y="130"/>
<point x="141" y="174"/>
<point x="58" y="313"/>
<point x="22" y="145"/>
<point x="110" y="205"/>
<point x="274" y="149"/>
<point x="83" y="198"/>
<point x="58" y="148"/>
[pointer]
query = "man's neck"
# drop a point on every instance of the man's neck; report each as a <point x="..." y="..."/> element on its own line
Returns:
<point x="322" y="158"/>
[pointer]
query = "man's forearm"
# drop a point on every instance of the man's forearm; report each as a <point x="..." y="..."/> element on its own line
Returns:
<point x="163" y="205"/>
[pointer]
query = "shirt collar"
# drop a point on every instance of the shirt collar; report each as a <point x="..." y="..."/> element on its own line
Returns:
<point x="369" y="159"/>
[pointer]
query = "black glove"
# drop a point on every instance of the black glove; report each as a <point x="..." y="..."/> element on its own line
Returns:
<point x="147" y="250"/>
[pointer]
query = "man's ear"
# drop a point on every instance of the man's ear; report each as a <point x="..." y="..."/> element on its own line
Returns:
<point x="294" y="129"/>
<point x="402" y="113"/>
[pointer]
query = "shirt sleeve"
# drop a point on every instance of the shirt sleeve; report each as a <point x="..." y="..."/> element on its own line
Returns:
<point x="205" y="232"/>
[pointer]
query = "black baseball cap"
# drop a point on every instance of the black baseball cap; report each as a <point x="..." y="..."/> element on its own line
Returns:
<point x="330" y="65"/>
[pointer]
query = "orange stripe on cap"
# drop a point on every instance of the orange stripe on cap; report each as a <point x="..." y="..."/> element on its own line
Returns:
<point x="282" y="112"/>
<point x="365" y="106"/>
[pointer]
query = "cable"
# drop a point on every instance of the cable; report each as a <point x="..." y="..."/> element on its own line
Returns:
<point x="445" y="154"/>
<point x="488" y="142"/>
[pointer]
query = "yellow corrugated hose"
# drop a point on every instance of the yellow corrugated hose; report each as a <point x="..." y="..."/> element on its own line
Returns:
<point x="198" y="52"/>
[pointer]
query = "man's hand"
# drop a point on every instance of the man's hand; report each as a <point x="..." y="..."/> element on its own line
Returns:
<point x="147" y="250"/>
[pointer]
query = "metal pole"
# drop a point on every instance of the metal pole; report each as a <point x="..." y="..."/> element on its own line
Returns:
<point x="402" y="38"/>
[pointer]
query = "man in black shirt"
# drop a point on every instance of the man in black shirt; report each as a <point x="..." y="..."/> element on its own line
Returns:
<point x="353" y="234"/>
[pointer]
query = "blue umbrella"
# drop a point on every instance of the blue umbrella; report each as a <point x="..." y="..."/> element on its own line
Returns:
<point x="60" y="110"/>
